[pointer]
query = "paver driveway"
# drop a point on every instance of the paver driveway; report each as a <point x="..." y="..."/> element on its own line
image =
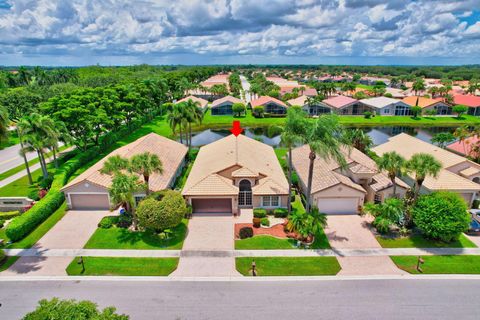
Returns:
<point x="352" y="232"/>
<point x="71" y="232"/>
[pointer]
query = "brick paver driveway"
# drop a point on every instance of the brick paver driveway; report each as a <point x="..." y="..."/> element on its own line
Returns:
<point x="71" y="232"/>
<point x="352" y="232"/>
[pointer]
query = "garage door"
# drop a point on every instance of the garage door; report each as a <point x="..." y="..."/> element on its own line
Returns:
<point x="212" y="205"/>
<point x="338" y="205"/>
<point x="89" y="201"/>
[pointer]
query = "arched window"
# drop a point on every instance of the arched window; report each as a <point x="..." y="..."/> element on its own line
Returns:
<point x="476" y="180"/>
<point x="245" y="185"/>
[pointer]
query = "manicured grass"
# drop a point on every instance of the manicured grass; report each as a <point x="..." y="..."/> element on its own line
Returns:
<point x="264" y="242"/>
<point x="21" y="187"/>
<point x="11" y="141"/>
<point x="109" y="266"/>
<point x="439" y="264"/>
<point x="289" y="266"/>
<point x="120" y="238"/>
<point x="418" y="241"/>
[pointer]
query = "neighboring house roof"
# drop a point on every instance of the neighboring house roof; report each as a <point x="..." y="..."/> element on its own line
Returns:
<point x="422" y="102"/>
<point x="464" y="147"/>
<point x="210" y="174"/>
<point x="307" y="91"/>
<point x="407" y="146"/>
<point x="396" y="93"/>
<point x="266" y="99"/>
<point x="216" y="79"/>
<point x="300" y="101"/>
<point x="170" y="152"/>
<point x="203" y="103"/>
<point x="339" y="101"/>
<point x="230" y="99"/>
<point x="328" y="173"/>
<point x="468" y="100"/>
<point x="380" y="102"/>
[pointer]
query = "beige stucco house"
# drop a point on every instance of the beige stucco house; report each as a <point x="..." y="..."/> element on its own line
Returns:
<point x="234" y="173"/>
<point x="337" y="190"/>
<point x="89" y="191"/>
<point x="458" y="174"/>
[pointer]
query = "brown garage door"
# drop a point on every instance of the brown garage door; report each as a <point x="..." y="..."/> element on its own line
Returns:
<point x="89" y="201"/>
<point x="212" y="205"/>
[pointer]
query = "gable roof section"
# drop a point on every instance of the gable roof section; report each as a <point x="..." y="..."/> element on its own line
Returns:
<point x="339" y="101"/>
<point x="422" y="101"/>
<point x="231" y="99"/>
<point x="468" y="100"/>
<point x="203" y="103"/>
<point x="170" y="152"/>
<point x="266" y="99"/>
<point x="380" y="102"/>
<point x="465" y="147"/>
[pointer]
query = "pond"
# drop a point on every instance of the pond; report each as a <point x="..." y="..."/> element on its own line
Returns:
<point x="379" y="135"/>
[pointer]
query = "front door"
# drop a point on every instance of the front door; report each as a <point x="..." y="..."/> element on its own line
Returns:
<point x="245" y="194"/>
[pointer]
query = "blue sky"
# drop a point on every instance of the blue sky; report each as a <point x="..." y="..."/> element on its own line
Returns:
<point x="122" y="32"/>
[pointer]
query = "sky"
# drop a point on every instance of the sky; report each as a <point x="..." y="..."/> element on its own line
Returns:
<point x="353" y="32"/>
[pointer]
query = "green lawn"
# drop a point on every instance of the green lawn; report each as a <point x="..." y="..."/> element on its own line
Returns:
<point x="120" y="238"/>
<point x="289" y="266"/>
<point x="440" y="264"/>
<point x="12" y="140"/>
<point x="109" y="266"/>
<point x="281" y="156"/>
<point x="21" y="187"/>
<point x="418" y="241"/>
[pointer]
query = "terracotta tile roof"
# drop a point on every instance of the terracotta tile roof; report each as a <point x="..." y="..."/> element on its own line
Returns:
<point x="468" y="100"/>
<point x="231" y="99"/>
<point x="248" y="155"/>
<point x="203" y="103"/>
<point x="339" y="101"/>
<point x="464" y="147"/>
<point x="300" y="101"/>
<point x="422" y="101"/>
<point x="266" y="99"/>
<point x="170" y="152"/>
<point x="244" y="173"/>
<point x="470" y="171"/>
<point x="382" y="181"/>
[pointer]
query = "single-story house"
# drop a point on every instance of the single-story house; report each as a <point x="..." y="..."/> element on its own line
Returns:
<point x="312" y="109"/>
<point x="90" y="190"/>
<point x="458" y="174"/>
<point x="202" y="103"/>
<point x="307" y="91"/>
<point x="387" y="106"/>
<point x="346" y="105"/>
<point x="234" y="173"/>
<point x="270" y="104"/>
<point x="396" y="93"/>
<point x="441" y="107"/>
<point x="466" y="147"/>
<point x="471" y="101"/>
<point x="337" y="190"/>
<point x="223" y="106"/>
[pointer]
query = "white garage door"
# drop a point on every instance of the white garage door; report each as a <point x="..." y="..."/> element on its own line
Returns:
<point x="338" y="205"/>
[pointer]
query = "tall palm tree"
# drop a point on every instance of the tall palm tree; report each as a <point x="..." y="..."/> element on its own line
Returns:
<point x="122" y="192"/>
<point x="325" y="139"/>
<point x="114" y="164"/>
<point x="175" y="118"/>
<point x="146" y="164"/>
<point x="462" y="133"/>
<point x="359" y="139"/>
<point x="418" y="85"/>
<point x="422" y="165"/>
<point x="393" y="163"/>
<point x="192" y="113"/>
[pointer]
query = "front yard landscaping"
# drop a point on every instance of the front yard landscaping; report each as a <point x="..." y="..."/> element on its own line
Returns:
<point x="439" y="264"/>
<point x="121" y="238"/>
<point x="418" y="241"/>
<point x="288" y="266"/>
<point x="109" y="266"/>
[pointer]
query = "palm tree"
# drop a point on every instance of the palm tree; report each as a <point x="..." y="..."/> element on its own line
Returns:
<point x="422" y="165"/>
<point x="325" y="139"/>
<point x="122" y="192"/>
<point x="146" y="164"/>
<point x="307" y="225"/>
<point x="359" y="139"/>
<point x="192" y="113"/>
<point x="175" y="118"/>
<point x="418" y="85"/>
<point x="114" y="164"/>
<point x="393" y="163"/>
<point x="462" y="133"/>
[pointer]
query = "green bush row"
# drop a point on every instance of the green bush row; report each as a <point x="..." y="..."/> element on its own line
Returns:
<point x="9" y="215"/>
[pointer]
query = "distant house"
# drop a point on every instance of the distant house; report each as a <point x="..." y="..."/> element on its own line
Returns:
<point x="458" y="174"/>
<point x="310" y="92"/>
<point x="441" y="107"/>
<point x="396" y="93"/>
<point x="387" y="106"/>
<point x="344" y="191"/>
<point x="465" y="147"/>
<point x="346" y="105"/>
<point x="312" y="109"/>
<point x="202" y="103"/>
<point x="223" y="106"/>
<point x="472" y="102"/>
<point x="271" y="105"/>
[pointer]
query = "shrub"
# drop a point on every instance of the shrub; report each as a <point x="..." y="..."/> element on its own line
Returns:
<point x="475" y="204"/>
<point x="259" y="213"/>
<point x="42" y="193"/>
<point x="9" y="215"/>
<point x="245" y="232"/>
<point x="238" y="109"/>
<point x="259" y="112"/>
<point x="367" y="114"/>
<point x="164" y="214"/>
<point x="265" y="222"/>
<point x="2" y="223"/>
<point x="71" y="309"/>
<point x="459" y="109"/>
<point x="441" y="215"/>
<point x="273" y="131"/>
<point x="124" y="220"/>
<point x="257" y="222"/>
<point x="108" y="222"/>
<point x="280" y="213"/>
<point x="33" y="194"/>
<point x="45" y="183"/>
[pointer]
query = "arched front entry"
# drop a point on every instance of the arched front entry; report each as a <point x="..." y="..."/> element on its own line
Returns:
<point x="476" y="180"/>
<point x="245" y="193"/>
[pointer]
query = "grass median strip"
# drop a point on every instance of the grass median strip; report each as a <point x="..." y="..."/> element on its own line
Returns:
<point x="108" y="266"/>
<point x="418" y="241"/>
<point x="289" y="266"/>
<point x="439" y="264"/>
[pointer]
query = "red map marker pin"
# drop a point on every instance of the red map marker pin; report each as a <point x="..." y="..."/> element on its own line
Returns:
<point x="236" y="128"/>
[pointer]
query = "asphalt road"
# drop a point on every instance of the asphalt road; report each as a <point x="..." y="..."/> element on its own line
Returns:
<point x="10" y="158"/>
<point x="246" y="88"/>
<point x="333" y="299"/>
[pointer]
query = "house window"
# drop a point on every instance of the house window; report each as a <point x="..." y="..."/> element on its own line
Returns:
<point x="270" y="201"/>
<point x="386" y="111"/>
<point x="377" y="198"/>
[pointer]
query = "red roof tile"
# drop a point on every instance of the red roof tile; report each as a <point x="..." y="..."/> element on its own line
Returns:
<point x="339" y="101"/>
<point x="468" y="100"/>
<point x="266" y="99"/>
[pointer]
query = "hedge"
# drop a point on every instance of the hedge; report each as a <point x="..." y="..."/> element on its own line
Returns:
<point x="259" y="213"/>
<point x="9" y="215"/>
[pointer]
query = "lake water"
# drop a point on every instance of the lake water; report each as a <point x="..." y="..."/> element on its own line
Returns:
<point x="379" y="135"/>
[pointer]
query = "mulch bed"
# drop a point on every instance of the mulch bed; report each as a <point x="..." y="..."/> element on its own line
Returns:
<point x="274" y="231"/>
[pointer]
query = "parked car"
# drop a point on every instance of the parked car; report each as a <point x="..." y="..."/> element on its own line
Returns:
<point x="475" y="222"/>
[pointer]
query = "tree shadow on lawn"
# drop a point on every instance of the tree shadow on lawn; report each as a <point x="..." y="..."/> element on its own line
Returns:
<point x="153" y="239"/>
